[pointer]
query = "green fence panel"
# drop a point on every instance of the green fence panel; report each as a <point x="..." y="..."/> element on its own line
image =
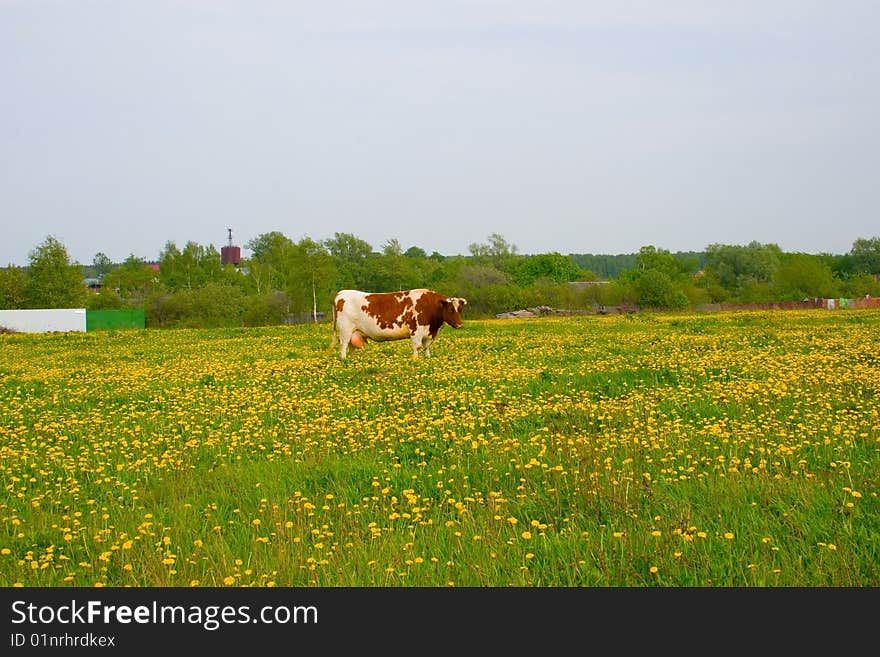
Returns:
<point x="97" y="320"/>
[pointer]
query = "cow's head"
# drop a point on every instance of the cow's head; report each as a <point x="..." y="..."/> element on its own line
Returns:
<point x="452" y="307"/>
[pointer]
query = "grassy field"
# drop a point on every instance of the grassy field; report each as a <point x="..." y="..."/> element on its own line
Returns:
<point x="725" y="449"/>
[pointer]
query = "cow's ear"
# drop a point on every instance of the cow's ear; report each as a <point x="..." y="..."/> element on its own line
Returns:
<point x="444" y="302"/>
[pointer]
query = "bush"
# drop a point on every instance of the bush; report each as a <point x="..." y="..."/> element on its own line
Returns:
<point x="860" y="285"/>
<point x="106" y="299"/>
<point x="265" y="309"/>
<point x="211" y="306"/>
<point x="655" y="289"/>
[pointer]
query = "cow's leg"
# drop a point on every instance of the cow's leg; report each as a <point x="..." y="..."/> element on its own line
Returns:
<point x="426" y="344"/>
<point x="416" y="342"/>
<point x="344" y="338"/>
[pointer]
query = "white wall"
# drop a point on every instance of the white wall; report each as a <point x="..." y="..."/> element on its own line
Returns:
<point x="43" y="321"/>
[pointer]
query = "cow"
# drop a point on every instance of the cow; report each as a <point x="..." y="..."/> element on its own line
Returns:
<point x="414" y="314"/>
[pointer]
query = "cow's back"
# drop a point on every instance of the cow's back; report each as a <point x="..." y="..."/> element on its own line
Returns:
<point x="376" y="315"/>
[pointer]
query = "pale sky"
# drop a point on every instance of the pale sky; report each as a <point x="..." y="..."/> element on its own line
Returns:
<point x="568" y="126"/>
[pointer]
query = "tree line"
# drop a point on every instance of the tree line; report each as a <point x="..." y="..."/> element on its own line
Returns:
<point x="285" y="280"/>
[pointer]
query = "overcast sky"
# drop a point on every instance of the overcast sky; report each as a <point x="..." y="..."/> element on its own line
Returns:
<point x="568" y="126"/>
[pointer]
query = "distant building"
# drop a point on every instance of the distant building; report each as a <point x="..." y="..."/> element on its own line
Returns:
<point x="230" y="254"/>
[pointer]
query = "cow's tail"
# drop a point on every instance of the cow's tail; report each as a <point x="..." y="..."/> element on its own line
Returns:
<point x="334" y="331"/>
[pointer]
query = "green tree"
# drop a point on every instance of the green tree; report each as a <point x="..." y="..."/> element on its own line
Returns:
<point x="101" y="264"/>
<point x="13" y="282"/>
<point x="52" y="280"/>
<point x="106" y="299"/>
<point x="315" y="272"/>
<point x="497" y="249"/>
<point x="657" y="280"/>
<point x="865" y="256"/>
<point x="650" y="257"/>
<point x="743" y="269"/>
<point x="265" y="309"/>
<point x="860" y="285"/>
<point x="264" y="244"/>
<point x="271" y="264"/>
<point x="605" y="266"/>
<point x="714" y="290"/>
<point x="133" y="279"/>
<point x="351" y="255"/>
<point x="194" y="267"/>
<point x="415" y="252"/>
<point x="479" y="251"/>
<point x="393" y="270"/>
<point x="655" y="289"/>
<point x="551" y="266"/>
<point x="208" y="306"/>
<point x="801" y="276"/>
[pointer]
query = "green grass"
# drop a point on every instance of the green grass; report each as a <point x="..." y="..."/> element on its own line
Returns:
<point x="727" y="449"/>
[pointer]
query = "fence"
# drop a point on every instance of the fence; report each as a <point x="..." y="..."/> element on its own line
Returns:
<point x="46" y="320"/>
<point x="828" y="304"/>
<point x="97" y="320"/>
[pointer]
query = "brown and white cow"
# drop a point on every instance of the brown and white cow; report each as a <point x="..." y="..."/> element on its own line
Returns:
<point x="414" y="314"/>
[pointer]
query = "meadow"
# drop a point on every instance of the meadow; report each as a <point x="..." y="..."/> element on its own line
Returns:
<point x="711" y="450"/>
